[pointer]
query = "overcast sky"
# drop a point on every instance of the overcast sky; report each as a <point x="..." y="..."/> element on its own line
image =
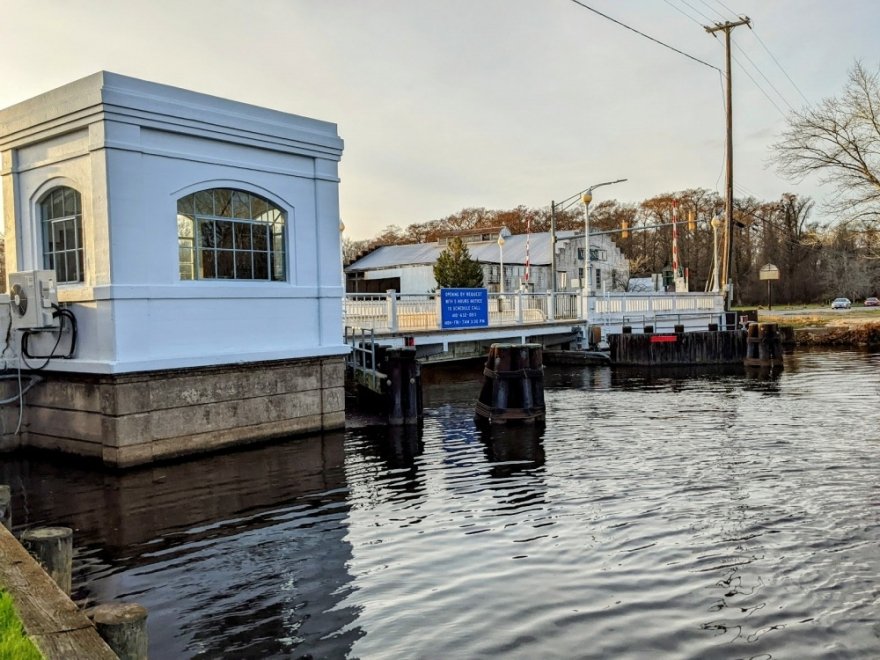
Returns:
<point x="446" y="104"/>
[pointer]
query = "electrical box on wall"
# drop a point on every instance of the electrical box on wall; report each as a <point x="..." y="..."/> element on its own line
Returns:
<point x="33" y="296"/>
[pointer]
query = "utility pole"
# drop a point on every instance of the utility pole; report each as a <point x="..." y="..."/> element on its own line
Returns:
<point x="727" y="269"/>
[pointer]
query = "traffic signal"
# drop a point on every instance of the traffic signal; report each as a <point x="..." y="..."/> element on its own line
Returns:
<point x="692" y="220"/>
<point x="624" y="229"/>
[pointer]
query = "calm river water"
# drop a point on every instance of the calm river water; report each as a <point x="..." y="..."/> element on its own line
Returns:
<point x="680" y="515"/>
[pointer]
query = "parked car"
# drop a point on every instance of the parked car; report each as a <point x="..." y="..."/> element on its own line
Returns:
<point x="841" y="303"/>
<point x="872" y="302"/>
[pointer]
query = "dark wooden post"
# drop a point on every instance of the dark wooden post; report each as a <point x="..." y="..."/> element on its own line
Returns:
<point x="413" y="385"/>
<point x="513" y="385"/>
<point x="53" y="548"/>
<point x="536" y="363"/>
<point x="524" y="364"/>
<point x="395" y="395"/>
<point x="752" y="342"/>
<point x="403" y="386"/>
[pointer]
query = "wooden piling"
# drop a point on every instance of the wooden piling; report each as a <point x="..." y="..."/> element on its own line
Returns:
<point x="649" y="329"/>
<point x="403" y="386"/>
<point x="513" y="385"/>
<point x="124" y="627"/>
<point x="713" y="327"/>
<point x="53" y="548"/>
<point x="787" y="334"/>
<point x="764" y="346"/>
<point x="6" y="507"/>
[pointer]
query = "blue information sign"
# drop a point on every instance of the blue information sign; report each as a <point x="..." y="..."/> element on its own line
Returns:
<point x="464" y="308"/>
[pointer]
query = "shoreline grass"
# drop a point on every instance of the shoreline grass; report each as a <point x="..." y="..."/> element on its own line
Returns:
<point x="13" y="642"/>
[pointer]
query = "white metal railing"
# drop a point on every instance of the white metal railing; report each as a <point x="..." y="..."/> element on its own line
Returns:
<point x="399" y="313"/>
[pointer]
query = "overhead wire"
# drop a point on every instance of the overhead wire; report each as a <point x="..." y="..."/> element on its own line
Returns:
<point x="699" y="13"/>
<point x="711" y="8"/>
<point x="760" y="89"/>
<point x="682" y="12"/>
<point x="761" y="73"/>
<point x="793" y="84"/>
<point x="726" y="8"/>
<point x="640" y="33"/>
<point x="742" y="67"/>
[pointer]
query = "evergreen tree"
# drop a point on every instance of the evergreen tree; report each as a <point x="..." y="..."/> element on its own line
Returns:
<point x="455" y="268"/>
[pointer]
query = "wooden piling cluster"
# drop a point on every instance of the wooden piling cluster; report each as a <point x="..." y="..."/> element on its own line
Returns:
<point x="403" y="386"/>
<point x="763" y="345"/>
<point x="513" y="385"/>
<point x="388" y="382"/>
<point x="40" y="585"/>
<point x="677" y="348"/>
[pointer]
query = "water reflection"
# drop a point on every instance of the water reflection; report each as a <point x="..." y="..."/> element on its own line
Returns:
<point x="513" y="448"/>
<point x="241" y="554"/>
<point x="675" y="514"/>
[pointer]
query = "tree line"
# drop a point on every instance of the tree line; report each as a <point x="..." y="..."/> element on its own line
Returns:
<point x="816" y="262"/>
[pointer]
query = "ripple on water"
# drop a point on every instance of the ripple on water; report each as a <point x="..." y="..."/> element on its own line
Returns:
<point x="711" y="515"/>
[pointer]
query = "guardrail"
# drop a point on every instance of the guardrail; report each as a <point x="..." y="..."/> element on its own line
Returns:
<point x="394" y="312"/>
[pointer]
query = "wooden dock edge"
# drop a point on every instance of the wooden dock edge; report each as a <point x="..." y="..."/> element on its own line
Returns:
<point x="51" y="620"/>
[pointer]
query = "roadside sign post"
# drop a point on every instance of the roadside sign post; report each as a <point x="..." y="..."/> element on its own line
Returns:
<point x="769" y="272"/>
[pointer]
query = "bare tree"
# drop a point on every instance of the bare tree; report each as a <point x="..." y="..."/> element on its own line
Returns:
<point x="839" y="140"/>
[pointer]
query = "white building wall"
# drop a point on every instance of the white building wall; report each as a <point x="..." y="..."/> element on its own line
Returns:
<point x="130" y="167"/>
<point x="614" y="267"/>
<point x="416" y="279"/>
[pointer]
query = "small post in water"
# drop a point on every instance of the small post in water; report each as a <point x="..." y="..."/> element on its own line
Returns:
<point x="124" y="627"/>
<point x="53" y="548"/>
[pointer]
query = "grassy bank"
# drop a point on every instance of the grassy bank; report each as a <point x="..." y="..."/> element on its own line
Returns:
<point x="858" y="328"/>
<point x="13" y="642"/>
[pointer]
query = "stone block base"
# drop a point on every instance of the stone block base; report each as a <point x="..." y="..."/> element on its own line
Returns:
<point x="133" y="419"/>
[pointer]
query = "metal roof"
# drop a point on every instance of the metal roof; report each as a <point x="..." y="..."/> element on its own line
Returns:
<point x="420" y="254"/>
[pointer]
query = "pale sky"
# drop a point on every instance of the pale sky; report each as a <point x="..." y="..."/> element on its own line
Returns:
<point x="446" y="104"/>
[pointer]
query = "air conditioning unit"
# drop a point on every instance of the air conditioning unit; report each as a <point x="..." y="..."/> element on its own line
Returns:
<point x="32" y="294"/>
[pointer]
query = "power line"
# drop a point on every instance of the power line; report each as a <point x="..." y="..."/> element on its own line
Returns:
<point x="757" y="68"/>
<point x="685" y="2"/>
<point x="711" y="8"/>
<point x="760" y="89"/>
<point x="760" y="41"/>
<point x="683" y="12"/>
<point x="632" y="29"/>
<point x="726" y="8"/>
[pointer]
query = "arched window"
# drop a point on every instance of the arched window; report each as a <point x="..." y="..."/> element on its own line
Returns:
<point x="61" y="218"/>
<point x="230" y="234"/>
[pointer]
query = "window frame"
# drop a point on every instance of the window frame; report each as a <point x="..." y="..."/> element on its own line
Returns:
<point x="226" y="240"/>
<point x="57" y="224"/>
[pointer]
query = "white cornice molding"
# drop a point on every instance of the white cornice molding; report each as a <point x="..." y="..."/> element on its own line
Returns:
<point x="112" y="97"/>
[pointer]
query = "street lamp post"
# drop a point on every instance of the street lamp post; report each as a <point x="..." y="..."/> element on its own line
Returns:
<point x="501" y="260"/>
<point x="586" y="198"/>
<point x="716" y="224"/>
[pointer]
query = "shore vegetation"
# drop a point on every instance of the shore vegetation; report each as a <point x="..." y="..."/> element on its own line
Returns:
<point x="13" y="641"/>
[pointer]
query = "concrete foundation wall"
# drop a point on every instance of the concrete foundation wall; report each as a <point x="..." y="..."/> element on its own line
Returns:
<point x="138" y="418"/>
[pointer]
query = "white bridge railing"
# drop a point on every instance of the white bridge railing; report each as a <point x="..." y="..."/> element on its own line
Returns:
<point x="394" y="312"/>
